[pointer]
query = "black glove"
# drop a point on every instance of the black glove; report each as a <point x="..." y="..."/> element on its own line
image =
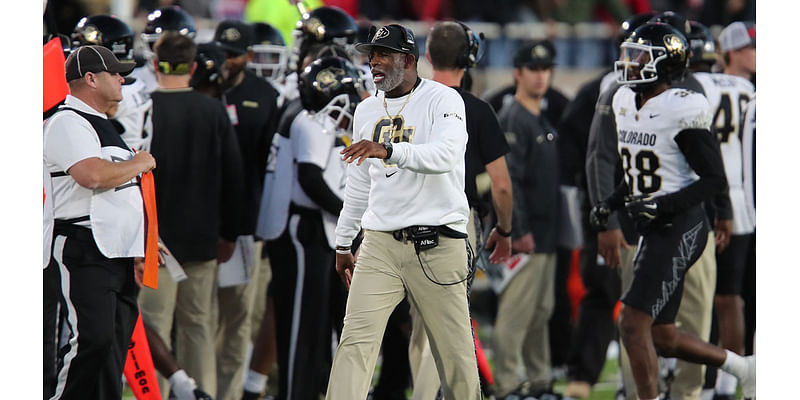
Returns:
<point x="643" y="209"/>
<point x="598" y="216"/>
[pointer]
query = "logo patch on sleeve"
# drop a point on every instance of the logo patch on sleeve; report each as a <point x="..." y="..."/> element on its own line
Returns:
<point x="447" y="115"/>
<point x="700" y="121"/>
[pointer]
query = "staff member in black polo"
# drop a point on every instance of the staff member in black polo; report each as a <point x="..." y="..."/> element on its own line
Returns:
<point x="525" y="305"/>
<point x="99" y="229"/>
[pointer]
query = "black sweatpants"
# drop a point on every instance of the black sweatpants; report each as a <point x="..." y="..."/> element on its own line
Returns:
<point x="306" y="291"/>
<point x="100" y="310"/>
<point x="595" y="326"/>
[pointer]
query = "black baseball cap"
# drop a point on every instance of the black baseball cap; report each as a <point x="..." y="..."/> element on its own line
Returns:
<point x="537" y="53"/>
<point x="93" y="58"/>
<point x="234" y="36"/>
<point x="393" y="37"/>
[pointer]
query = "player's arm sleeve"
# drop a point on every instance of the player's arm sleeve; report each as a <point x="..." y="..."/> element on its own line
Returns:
<point x="447" y="143"/>
<point x="602" y="157"/>
<point x="723" y="208"/>
<point x="232" y="184"/>
<point x="356" y="197"/>
<point x="703" y="155"/>
<point x="310" y="178"/>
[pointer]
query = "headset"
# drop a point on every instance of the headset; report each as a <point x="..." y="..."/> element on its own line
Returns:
<point x="471" y="55"/>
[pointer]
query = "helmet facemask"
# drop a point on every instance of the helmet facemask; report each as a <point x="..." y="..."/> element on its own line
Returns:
<point x="638" y="64"/>
<point x="339" y="113"/>
<point x="269" y="61"/>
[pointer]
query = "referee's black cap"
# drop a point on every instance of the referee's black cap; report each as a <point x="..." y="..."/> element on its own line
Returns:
<point x="394" y="37"/>
<point x="95" y="59"/>
<point x="536" y="53"/>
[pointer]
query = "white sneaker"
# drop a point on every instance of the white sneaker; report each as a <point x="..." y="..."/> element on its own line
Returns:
<point x="748" y="381"/>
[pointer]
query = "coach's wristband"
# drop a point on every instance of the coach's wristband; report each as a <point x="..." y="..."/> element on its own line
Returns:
<point x="501" y="232"/>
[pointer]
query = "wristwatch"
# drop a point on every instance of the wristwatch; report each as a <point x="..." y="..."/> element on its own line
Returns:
<point x="388" y="147"/>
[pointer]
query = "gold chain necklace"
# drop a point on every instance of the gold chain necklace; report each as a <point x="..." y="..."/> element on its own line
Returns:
<point x="391" y="120"/>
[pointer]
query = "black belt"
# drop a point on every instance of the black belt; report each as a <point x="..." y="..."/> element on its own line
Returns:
<point x="444" y="230"/>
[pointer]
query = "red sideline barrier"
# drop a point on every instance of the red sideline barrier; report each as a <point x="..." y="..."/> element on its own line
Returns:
<point x="575" y="287"/>
<point x="139" y="370"/>
<point x="54" y="81"/>
<point x="483" y="363"/>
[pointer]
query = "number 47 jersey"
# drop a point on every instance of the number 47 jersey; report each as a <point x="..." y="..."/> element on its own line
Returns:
<point x="652" y="161"/>
<point x="728" y="96"/>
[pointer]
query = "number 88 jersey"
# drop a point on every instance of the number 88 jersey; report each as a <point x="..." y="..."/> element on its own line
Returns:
<point x="651" y="159"/>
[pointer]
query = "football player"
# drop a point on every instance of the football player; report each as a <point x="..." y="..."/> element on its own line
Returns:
<point x="671" y="166"/>
<point x="305" y="198"/>
<point x="728" y="94"/>
<point x="323" y="25"/>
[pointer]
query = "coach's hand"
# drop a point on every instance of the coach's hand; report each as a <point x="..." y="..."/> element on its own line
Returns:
<point x="138" y="271"/>
<point x="362" y="150"/>
<point x="501" y="244"/>
<point x="345" y="264"/>
<point x="722" y="233"/>
<point x="609" y="244"/>
<point x="224" y="250"/>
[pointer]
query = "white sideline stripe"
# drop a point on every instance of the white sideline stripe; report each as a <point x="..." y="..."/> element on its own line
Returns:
<point x="298" y="298"/>
<point x="72" y="317"/>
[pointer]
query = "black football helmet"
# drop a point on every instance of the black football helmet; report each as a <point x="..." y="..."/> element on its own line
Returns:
<point x="107" y="31"/>
<point x="633" y="22"/>
<point x="209" y="58"/>
<point x="655" y="52"/>
<point x="675" y="20"/>
<point x="322" y="25"/>
<point x="331" y="86"/>
<point x="701" y="41"/>
<point x="171" y="18"/>
<point x="269" y="52"/>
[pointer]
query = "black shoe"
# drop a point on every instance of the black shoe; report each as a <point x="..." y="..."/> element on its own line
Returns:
<point x="546" y="394"/>
<point x="724" y="397"/>
<point x="250" y="395"/>
<point x="198" y="395"/>
<point x="201" y="395"/>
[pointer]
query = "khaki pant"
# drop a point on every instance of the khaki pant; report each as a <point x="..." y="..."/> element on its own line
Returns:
<point x="423" y="368"/>
<point x="386" y="271"/>
<point x="523" y="310"/>
<point x="190" y="303"/>
<point x="264" y="275"/>
<point x="235" y="305"/>
<point x="694" y="316"/>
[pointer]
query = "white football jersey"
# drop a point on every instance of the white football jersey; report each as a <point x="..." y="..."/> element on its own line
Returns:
<point x="146" y="74"/>
<point x="728" y="96"/>
<point x="422" y="183"/>
<point x="652" y="160"/>
<point x="134" y="113"/>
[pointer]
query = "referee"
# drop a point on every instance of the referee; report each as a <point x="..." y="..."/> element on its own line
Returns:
<point x="99" y="226"/>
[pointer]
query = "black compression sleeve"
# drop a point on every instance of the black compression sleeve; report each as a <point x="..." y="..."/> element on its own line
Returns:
<point x="703" y="155"/>
<point x="310" y="178"/>
<point x="617" y="199"/>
